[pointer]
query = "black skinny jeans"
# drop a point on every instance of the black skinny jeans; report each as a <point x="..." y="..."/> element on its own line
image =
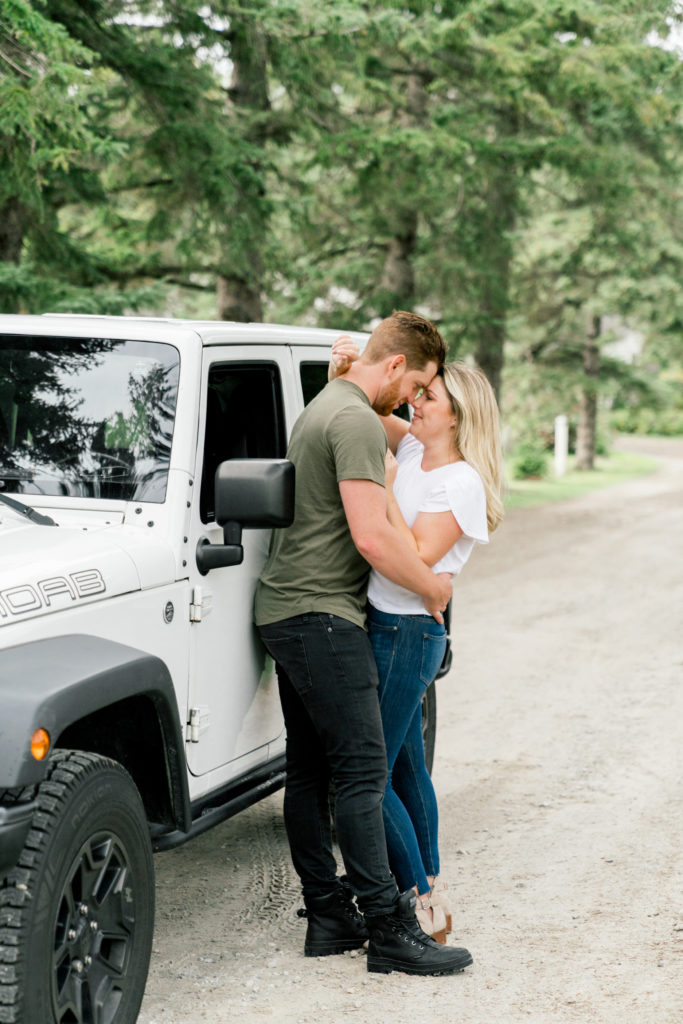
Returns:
<point x="328" y="689"/>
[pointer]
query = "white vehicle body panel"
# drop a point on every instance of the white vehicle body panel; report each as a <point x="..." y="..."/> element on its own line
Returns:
<point x="126" y="570"/>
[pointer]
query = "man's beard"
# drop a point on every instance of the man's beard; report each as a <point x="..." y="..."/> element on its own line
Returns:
<point x="387" y="399"/>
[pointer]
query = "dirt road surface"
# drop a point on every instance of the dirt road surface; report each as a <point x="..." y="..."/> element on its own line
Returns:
<point x="559" y="772"/>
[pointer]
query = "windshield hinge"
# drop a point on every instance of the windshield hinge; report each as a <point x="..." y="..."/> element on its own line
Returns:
<point x="200" y="604"/>
<point x="198" y="723"/>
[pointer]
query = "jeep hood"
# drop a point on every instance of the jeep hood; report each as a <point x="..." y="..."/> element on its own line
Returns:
<point x="45" y="569"/>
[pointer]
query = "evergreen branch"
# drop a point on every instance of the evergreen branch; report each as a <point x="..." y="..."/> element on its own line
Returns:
<point x="133" y="186"/>
<point x="169" y="272"/>
<point x="192" y="285"/>
<point x="16" y="67"/>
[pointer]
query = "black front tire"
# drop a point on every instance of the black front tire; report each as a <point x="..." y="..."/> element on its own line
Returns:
<point x="77" y="913"/>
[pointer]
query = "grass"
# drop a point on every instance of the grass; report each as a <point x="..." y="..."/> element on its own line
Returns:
<point x="608" y="470"/>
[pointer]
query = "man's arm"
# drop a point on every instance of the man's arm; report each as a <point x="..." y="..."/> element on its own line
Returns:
<point x="384" y="548"/>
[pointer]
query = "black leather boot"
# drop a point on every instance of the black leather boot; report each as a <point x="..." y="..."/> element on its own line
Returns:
<point x="334" y="924"/>
<point x="397" y="943"/>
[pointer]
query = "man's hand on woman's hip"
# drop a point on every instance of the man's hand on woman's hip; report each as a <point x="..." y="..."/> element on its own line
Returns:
<point x="437" y="601"/>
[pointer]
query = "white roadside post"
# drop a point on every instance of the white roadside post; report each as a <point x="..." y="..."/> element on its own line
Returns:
<point x="561" y="445"/>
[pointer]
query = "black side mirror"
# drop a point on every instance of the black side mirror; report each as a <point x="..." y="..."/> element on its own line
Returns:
<point x="250" y="493"/>
<point x="255" y="493"/>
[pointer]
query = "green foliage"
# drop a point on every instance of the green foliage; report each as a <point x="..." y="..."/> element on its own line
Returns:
<point x="668" y="422"/>
<point x="530" y="460"/>
<point x="53" y="145"/>
<point x="511" y="169"/>
<point x="35" y="291"/>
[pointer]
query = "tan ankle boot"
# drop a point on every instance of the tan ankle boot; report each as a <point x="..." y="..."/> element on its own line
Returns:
<point x="438" y="898"/>
<point x="431" y="919"/>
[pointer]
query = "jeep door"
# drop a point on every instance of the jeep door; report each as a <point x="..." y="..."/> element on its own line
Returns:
<point x="249" y="401"/>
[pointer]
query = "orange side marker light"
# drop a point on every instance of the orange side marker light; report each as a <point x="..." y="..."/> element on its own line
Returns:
<point x="40" y="744"/>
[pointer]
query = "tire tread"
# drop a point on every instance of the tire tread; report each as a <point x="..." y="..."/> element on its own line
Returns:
<point x="66" y="769"/>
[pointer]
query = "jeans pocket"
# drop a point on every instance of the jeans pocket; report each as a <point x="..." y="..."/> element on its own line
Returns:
<point x="383" y="640"/>
<point x="433" y="650"/>
<point x="338" y="624"/>
<point x="290" y="653"/>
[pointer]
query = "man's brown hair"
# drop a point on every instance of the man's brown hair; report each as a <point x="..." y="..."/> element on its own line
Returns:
<point x="407" y="334"/>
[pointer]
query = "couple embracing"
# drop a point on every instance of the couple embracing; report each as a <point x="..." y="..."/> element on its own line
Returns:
<point x="350" y="606"/>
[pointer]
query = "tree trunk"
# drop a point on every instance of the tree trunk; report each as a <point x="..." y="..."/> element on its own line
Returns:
<point x="500" y="203"/>
<point x="11" y="241"/>
<point x="397" y="283"/>
<point x="11" y="232"/>
<point x="488" y="352"/>
<point x="238" y="299"/>
<point x="588" y="411"/>
<point x="239" y="288"/>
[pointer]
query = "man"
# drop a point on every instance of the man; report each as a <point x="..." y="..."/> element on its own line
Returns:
<point x="310" y="610"/>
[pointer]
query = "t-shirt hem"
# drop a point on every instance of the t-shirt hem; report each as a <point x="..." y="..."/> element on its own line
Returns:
<point x="397" y="608"/>
<point x="362" y="476"/>
<point x="270" y="618"/>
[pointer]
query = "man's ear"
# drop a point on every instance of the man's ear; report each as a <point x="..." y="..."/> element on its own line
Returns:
<point x="394" y="364"/>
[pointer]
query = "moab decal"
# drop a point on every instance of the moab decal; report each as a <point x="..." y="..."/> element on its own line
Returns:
<point x="28" y="597"/>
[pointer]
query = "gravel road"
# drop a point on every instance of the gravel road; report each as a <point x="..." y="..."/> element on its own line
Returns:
<point x="559" y="770"/>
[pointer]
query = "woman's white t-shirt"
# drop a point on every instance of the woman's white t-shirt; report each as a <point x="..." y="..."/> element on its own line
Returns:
<point x="455" y="487"/>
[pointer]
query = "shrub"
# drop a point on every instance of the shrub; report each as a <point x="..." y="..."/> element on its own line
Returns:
<point x="670" y="422"/>
<point x="531" y="460"/>
<point x="648" y="421"/>
<point x="623" y="420"/>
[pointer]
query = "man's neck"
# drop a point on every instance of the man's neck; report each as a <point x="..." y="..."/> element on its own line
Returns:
<point x="366" y="377"/>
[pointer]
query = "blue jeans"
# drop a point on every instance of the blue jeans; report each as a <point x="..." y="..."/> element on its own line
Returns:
<point x="328" y="689"/>
<point x="408" y="651"/>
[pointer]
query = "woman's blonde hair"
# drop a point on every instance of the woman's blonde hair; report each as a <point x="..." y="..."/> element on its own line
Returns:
<point x="477" y="431"/>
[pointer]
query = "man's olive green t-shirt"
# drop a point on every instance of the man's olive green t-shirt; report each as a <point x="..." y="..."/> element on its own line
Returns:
<point x="313" y="565"/>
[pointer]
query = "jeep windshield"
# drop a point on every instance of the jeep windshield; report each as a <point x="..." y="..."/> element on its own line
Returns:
<point x="86" y="417"/>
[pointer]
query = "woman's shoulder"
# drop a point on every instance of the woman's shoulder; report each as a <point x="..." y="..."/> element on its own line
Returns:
<point x="459" y="473"/>
<point x="456" y="479"/>
<point x="464" y="469"/>
<point x="464" y="473"/>
<point x="467" y="499"/>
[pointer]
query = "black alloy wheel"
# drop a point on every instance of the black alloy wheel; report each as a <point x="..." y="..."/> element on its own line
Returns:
<point x="77" y="912"/>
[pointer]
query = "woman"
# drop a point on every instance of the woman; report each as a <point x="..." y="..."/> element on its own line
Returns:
<point x="443" y="496"/>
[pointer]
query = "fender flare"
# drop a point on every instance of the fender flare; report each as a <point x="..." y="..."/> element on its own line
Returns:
<point x="52" y="683"/>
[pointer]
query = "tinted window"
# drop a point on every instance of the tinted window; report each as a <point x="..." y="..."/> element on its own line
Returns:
<point x="87" y="417"/>
<point x="244" y="420"/>
<point x="313" y="379"/>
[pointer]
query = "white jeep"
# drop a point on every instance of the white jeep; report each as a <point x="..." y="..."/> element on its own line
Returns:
<point x="137" y="705"/>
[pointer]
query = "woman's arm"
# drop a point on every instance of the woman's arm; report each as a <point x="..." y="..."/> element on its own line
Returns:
<point x="396" y="430"/>
<point x="379" y="544"/>
<point x="432" y="535"/>
<point x="344" y="352"/>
